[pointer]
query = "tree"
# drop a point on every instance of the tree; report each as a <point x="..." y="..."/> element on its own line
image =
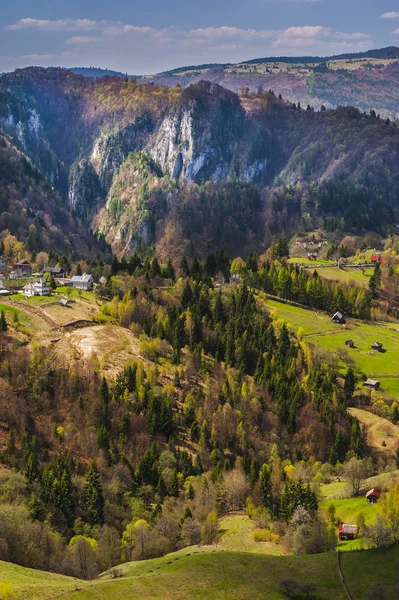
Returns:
<point x="3" y="322"/>
<point x="354" y="470"/>
<point x="378" y="534"/>
<point x="349" y="384"/>
<point x="93" y="496"/>
<point x="265" y="487"/>
<point x="210" y="528"/>
<point x="309" y="588"/>
<point x="83" y="556"/>
<point x="389" y="507"/>
<point x="135" y="539"/>
<point x="289" y="586"/>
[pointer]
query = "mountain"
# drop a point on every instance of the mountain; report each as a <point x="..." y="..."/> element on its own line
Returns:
<point x="195" y="168"/>
<point x="367" y="80"/>
<point x="34" y="213"/>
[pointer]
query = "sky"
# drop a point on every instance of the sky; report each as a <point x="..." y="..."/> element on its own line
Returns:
<point x="156" y="35"/>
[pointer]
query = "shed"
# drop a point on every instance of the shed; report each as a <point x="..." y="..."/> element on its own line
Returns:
<point x="372" y="384"/>
<point x="350" y="343"/>
<point x="64" y="301"/>
<point x="338" y="318"/>
<point x="373" y="496"/>
<point x="347" y="532"/>
<point x="377" y="346"/>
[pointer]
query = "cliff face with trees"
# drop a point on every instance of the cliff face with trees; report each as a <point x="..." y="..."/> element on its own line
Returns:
<point x="154" y="166"/>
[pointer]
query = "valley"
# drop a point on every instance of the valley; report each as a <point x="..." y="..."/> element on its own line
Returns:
<point x="199" y="331"/>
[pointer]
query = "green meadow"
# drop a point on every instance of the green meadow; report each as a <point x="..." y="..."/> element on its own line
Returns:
<point x="318" y="330"/>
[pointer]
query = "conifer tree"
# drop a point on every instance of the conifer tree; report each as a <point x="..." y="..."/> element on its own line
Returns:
<point x="265" y="487"/>
<point x="3" y="322"/>
<point x="93" y="496"/>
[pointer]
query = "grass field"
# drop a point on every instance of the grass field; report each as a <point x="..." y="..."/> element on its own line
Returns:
<point x="296" y="317"/>
<point x="236" y="532"/>
<point x="379" y="430"/>
<point x="30" y="584"/>
<point x="208" y="573"/>
<point x="322" y="333"/>
<point x="364" y="569"/>
<point x="10" y="311"/>
<point x="351" y="276"/>
<point x="347" y="510"/>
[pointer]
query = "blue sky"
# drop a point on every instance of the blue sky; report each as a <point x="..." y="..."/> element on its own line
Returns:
<point x="153" y="35"/>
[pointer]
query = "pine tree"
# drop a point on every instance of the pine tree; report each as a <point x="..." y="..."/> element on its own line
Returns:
<point x="93" y="496"/>
<point x="253" y="472"/>
<point x="155" y="270"/>
<point x="105" y="396"/>
<point x="349" y="384"/>
<point x="185" y="269"/>
<point x="32" y="470"/>
<point x="3" y="322"/>
<point x="265" y="487"/>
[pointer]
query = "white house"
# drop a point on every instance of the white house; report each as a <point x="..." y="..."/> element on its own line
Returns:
<point x="83" y="282"/>
<point x="3" y="291"/>
<point x="39" y="288"/>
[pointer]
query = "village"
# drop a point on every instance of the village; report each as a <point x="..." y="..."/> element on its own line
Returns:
<point x="20" y="277"/>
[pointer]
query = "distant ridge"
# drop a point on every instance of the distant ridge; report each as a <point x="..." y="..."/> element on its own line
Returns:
<point x="383" y="53"/>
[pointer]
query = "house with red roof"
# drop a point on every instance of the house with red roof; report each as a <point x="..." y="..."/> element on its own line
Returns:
<point x="373" y="496"/>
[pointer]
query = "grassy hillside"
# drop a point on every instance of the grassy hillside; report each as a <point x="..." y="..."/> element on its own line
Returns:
<point x="213" y="574"/>
<point x="236" y="535"/>
<point x="379" y="430"/>
<point x="29" y="584"/>
<point x="319" y="331"/>
<point x="197" y="574"/>
<point x="364" y="569"/>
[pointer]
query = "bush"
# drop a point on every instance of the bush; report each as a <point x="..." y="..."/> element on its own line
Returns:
<point x="309" y="588"/>
<point x="288" y="585"/>
<point x="264" y="535"/>
<point x="6" y="591"/>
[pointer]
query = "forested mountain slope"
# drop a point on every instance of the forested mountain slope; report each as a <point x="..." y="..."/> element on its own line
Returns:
<point x="157" y="166"/>
<point x="35" y="215"/>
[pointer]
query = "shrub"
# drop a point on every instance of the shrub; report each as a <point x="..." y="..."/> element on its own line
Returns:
<point x="6" y="591"/>
<point x="288" y="586"/>
<point x="264" y="535"/>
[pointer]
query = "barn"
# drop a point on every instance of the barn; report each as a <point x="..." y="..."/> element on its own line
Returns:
<point x="338" y="318"/>
<point x="373" y="496"/>
<point x="347" y="532"/>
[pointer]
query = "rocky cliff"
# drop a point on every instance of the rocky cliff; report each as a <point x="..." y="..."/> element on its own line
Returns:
<point x="148" y="165"/>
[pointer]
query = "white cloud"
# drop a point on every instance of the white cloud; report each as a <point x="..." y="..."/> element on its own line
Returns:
<point x="390" y="15"/>
<point x="309" y="31"/>
<point x="53" y="25"/>
<point x="127" y="47"/>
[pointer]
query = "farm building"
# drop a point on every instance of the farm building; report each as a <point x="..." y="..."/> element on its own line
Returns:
<point x="350" y="343"/>
<point x="377" y="346"/>
<point x="338" y="318"/>
<point x="372" y="496"/>
<point x="82" y="282"/>
<point x="22" y="268"/>
<point x="2" y="265"/>
<point x="347" y="532"/>
<point x="40" y="288"/>
<point x="372" y="384"/>
<point x="376" y="258"/>
<point x="56" y="272"/>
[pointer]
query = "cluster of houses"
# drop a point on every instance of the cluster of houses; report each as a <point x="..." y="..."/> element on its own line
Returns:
<point x="349" y="532"/>
<point x="23" y="269"/>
